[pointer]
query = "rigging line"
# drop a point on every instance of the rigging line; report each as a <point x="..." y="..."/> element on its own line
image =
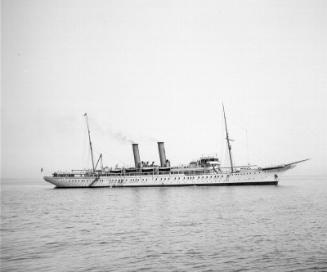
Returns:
<point x="228" y="142"/>
<point x="89" y="134"/>
<point x="99" y="160"/>
<point x="85" y="151"/>
<point x="247" y="146"/>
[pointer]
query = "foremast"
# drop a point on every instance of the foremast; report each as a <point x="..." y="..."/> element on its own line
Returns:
<point x="91" y="149"/>
<point x="228" y="143"/>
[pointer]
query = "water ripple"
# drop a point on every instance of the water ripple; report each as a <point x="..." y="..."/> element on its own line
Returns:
<point x="268" y="228"/>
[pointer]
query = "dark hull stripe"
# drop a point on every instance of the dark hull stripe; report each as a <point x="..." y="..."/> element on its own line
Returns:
<point x="179" y="185"/>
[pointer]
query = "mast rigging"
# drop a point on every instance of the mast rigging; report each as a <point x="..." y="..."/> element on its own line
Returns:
<point x="228" y="143"/>
<point x="99" y="160"/>
<point x="91" y="149"/>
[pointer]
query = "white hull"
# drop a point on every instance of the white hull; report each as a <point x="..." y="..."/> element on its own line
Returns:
<point x="244" y="178"/>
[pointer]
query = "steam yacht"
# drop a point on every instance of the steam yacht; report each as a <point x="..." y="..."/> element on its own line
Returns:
<point x="206" y="171"/>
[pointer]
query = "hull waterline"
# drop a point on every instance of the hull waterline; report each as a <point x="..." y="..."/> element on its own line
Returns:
<point x="260" y="178"/>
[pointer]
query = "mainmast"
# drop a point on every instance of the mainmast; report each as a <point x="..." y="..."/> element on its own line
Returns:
<point x="228" y="143"/>
<point x="88" y="131"/>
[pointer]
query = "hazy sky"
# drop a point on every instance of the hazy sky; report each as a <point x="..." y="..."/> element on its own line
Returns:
<point x="159" y="70"/>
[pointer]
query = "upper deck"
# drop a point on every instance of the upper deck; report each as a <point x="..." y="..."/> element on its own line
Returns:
<point x="205" y="165"/>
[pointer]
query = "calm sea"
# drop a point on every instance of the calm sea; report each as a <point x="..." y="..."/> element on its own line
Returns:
<point x="245" y="228"/>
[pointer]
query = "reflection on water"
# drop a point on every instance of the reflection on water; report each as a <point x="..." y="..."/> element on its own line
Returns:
<point x="271" y="228"/>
